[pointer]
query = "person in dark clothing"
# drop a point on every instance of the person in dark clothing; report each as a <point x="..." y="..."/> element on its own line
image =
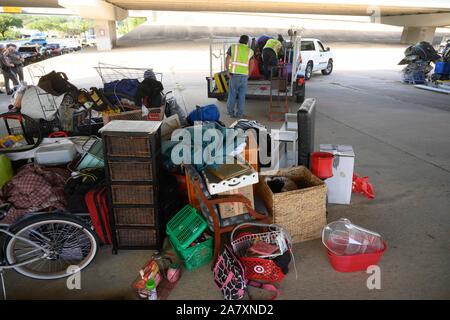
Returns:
<point x="15" y="58"/>
<point x="7" y="70"/>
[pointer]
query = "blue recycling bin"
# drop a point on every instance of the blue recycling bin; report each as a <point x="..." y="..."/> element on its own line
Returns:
<point x="442" y="67"/>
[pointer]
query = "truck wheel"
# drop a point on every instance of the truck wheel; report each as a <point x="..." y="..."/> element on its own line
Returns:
<point x="328" y="69"/>
<point x="308" y="70"/>
<point x="222" y="98"/>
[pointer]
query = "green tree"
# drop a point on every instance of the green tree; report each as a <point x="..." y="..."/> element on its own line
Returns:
<point x="76" y="26"/>
<point x="129" y="24"/>
<point x="45" y="24"/>
<point x="7" y="21"/>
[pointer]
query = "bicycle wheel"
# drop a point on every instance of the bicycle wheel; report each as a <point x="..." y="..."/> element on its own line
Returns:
<point x="70" y="242"/>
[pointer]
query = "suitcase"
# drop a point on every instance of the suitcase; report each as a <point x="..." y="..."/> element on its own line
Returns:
<point x="221" y="82"/>
<point x="96" y="203"/>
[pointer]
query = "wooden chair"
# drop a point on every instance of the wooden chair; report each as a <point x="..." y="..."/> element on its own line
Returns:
<point x="208" y="207"/>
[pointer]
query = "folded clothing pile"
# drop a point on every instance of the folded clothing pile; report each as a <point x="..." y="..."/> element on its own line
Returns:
<point x="35" y="188"/>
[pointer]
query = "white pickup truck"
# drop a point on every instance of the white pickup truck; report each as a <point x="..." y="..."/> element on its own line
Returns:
<point x="315" y="57"/>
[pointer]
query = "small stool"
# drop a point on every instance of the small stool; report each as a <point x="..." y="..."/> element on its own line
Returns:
<point x="284" y="137"/>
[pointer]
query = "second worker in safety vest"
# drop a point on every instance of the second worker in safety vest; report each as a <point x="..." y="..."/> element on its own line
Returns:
<point x="270" y="55"/>
<point x="239" y="67"/>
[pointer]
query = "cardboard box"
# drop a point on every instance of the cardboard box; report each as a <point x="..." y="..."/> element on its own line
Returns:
<point x="234" y="209"/>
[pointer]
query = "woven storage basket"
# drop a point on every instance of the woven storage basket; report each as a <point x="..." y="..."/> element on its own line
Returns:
<point x="136" y="237"/>
<point x="128" y="146"/>
<point x="132" y="195"/>
<point x="301" y="212"/>
<point x="134" y="216"/>
<point x="130" y="171"/>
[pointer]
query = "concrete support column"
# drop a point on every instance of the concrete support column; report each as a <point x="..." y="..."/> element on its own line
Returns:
<point x="105" y="34"/>
<point x="412" y="35"/>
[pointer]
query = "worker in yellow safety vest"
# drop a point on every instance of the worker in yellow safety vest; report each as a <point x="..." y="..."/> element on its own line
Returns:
<point x="270" y="55"/>
<point x="238" y="67"/>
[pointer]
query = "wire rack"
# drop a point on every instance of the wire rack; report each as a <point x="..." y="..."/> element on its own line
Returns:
<point x="111" y="72"/>
<point x="47" y="101"/>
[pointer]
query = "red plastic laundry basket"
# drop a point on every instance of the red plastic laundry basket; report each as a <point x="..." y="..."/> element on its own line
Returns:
<point x="322" y="164"/>
<point x="358" y="262"/>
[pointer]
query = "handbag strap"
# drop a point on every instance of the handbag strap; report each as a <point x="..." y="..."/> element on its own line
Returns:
<point x="266" y="286"/>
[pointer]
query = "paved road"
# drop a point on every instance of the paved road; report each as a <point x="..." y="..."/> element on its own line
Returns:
<point x="401" y="139"/>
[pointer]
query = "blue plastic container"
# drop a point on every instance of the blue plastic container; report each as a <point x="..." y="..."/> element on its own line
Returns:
<point x="442" y="67"/>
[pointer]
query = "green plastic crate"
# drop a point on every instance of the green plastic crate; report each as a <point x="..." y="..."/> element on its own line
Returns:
<point x="197" y="256"/>
<point x="186" y="226"/>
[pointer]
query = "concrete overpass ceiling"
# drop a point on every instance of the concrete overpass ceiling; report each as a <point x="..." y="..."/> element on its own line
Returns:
<point x="31" y="3"/>
<point x="335" y="7"/>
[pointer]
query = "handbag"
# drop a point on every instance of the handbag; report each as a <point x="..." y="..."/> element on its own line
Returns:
<point x="56" y="84"/>
<point x="229" y="276"/>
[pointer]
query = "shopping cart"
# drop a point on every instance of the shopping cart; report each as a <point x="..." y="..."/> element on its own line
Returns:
<point x="111" y="72"/>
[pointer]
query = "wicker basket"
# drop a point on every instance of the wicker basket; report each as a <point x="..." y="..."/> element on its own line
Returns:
<point x="130" y="171"/>
<point x="136" y="237"/>
<point x="128" y="146"/>
<point x="132" y="195"/>
<point x="134" y="216"/>
<point x="301" y="212"/>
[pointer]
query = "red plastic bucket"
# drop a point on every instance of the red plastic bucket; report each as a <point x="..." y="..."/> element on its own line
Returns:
<point x="357" y="262"/>
<point x="322" y="164"/>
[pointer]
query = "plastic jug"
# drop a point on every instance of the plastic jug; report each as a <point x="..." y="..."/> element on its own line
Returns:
<point x="344" y="238"/>
<point x="6" y="170"/>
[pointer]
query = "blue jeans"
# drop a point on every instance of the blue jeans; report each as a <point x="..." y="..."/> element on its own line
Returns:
<point x="237" y="89"/>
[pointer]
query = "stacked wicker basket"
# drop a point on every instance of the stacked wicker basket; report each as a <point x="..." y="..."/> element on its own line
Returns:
<point x="132" y="152"/>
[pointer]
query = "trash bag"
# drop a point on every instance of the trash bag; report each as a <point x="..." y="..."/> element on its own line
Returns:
<point x="172" y="107"/>
<point x="209" y="112"/>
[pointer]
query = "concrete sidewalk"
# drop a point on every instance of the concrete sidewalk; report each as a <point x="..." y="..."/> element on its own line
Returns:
<point x="401" y="139"/>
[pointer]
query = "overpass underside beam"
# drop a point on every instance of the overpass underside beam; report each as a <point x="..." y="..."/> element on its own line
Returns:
<point x="412" y="35"/>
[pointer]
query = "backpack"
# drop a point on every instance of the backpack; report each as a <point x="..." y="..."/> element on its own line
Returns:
<point x="229" y="275"/>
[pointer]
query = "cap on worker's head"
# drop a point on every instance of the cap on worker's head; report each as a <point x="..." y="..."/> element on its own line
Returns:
<point x="244" y="39"/>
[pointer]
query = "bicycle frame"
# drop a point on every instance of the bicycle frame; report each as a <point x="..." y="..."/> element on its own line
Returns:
<point x="45" y="254"/>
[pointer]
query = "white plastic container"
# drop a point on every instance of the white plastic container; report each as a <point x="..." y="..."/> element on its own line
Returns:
<point x="339" y="186"/>
<point x="55" y="154"/>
